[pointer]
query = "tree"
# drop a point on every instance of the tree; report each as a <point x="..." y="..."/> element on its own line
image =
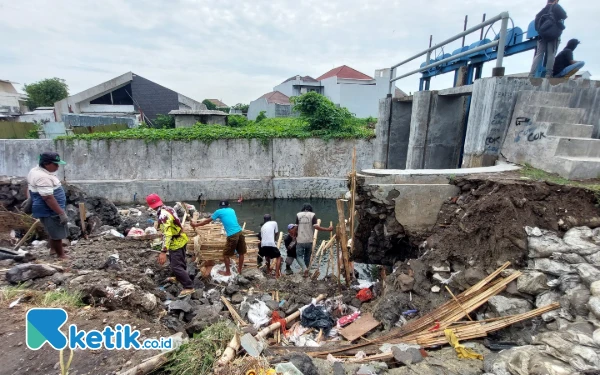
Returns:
<point x="164" y="122"/>
<point x="320" y="112"/>
<point x="46" y="92"/>
<point x="209" y="105"/>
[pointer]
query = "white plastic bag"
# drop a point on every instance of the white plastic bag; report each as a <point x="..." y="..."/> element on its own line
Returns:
<point x="214" y="274"/>
<point x="259" y="314"/>
<point x="150" y="230"/>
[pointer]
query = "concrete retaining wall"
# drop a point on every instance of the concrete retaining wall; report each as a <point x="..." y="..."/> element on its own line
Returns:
<point x="283" y="168"/>
<point x="492" y="107"/>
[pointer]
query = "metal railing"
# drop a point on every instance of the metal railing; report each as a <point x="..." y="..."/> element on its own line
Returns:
<point x="500" y="43"/>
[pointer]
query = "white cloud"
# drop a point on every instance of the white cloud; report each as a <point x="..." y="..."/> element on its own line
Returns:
<point x="237" y="51"/>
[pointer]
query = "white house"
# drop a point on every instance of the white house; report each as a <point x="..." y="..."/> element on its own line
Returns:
<point x="344" y="86"/>
<point x="12" y="103"/>
<point x="275" y="104"/>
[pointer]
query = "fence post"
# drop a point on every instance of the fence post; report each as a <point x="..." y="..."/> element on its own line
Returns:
<point x="392" y="73"/>
<point x="498" y="71"/>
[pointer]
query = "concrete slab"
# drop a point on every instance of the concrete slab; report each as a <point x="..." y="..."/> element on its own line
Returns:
<point x="556" y="114"/>
<point x="579" y="147"/>
<point x="457" y="91"/>
<point x="440" y="172"/>
<point x="570" y="130"/>
<point x="580" y="167"/>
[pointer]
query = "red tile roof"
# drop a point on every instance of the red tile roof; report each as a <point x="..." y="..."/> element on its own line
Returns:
<point x="218" y="103"/>
<point x="344" y="72"/>
<point x="276" y="97"/>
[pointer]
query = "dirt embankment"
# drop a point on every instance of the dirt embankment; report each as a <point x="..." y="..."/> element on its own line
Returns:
<point x="485" y="224"/>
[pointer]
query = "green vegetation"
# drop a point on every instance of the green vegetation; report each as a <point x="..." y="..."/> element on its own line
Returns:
<point x="319" y="112"/>
<point x="199" y="355"/>
<point x="54" y="298"/>
<point x="46" y="92"/>
<point x="164" y="122"/>
<point x="261" y="116"/>
<point x="242" y="107"/>
<point x="267" y="129"/>
<point x="209" y="105"/>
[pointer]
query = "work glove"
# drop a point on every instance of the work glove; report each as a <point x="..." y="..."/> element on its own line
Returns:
<point x="63" y="218"/>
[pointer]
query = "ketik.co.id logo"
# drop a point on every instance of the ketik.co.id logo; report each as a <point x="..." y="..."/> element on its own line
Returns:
<point x="43" y="326"/>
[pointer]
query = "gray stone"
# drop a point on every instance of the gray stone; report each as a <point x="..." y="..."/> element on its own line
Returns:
<point x="180" y="305"/>
<point x="552" y="267"/>
<point x="243" y="281"/>
<point x="404" y="282"/>
<point x="218" y="306"/>
<point x="408" y="356"/>
<point x="237" y="298"/>
<point x="588" y="273"/>
<point x="474" y="275"/>
<point x="578" y="298"/>
<point x="546" y="299"/>
<point x="595" y="288"/>
<point x="272" y="305"/>
<point x="338" y="368"/>
<point x="594" y="306"/>
<point x="304" y="364"/>
<point x="231" y="289"/>
<point x="532" y="282"/>
<point x="503" y="306"/>
<point x="29" y="271"/>
<point x="266" y="297"/>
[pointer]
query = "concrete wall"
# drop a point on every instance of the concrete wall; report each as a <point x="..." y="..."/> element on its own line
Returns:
<point x="256" y="106"/>
<point x="76" y="120"/>
<point x="493" y="102"/>
<point x="361" y="100"/>
<point x="284" y="168"/>
<point x="187" y="121"/>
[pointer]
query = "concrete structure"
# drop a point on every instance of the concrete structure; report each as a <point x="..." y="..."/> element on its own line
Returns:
<point x="343" y="85"/>
<point x="39" y="115"/>
<point x="283" y="168"/>
<point x="275" y="104"/>
<point x="128" y="95"/>
<point x="12" y="103"/>
<point x="189" y="118"/>
<point x="546" y="134"/>
<point x="418" y="195"/>
<point x="466" y="126"/>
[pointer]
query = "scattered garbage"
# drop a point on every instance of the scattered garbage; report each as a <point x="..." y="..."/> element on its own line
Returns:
<point x="362" y="284"/>
<point x="287" y="368"/>
<point x="115" y="233"/>
<point x="345" y="320"/>
<point x="217" y="277"/>
<point x="259" y="314"/>
<point x="136" y="232"/>
<point x="316" y="316"/>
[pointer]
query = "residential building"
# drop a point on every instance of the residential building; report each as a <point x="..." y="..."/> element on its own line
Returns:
<point x="187" y="118"/>
<point x="275" y="104"/>
<point x="12" y="103"/>
<point x="344" y="86"/>
<point x="40" y="115"/>
<point x="128" y="98"/>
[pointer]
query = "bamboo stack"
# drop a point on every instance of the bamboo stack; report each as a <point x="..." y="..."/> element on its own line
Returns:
<point x="208" y="242"/>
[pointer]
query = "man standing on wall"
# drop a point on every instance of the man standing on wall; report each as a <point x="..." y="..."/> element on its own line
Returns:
<point x="307" y="223"/>
<point x="549" y="23"/>
<point x="565" y="65"/>
<point x="48" y="200"/>
<point x="174" y="243"/>
<point x="268" y="246"/>
<point x="290" y="246"/>
<point x="235" y="238"/>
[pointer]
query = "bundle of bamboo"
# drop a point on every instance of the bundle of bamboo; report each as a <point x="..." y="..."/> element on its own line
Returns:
<point x="210" y="240"/>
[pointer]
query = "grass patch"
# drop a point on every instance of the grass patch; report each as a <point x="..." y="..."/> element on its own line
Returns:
<point x="267" y="129"/>
<point x="199" y="355"/>
<point x="53" y="298"/>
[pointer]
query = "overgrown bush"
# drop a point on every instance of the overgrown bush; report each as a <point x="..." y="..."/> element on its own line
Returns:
<point x="261" y="116"/>
<point x="164" y="122"/>
<point x="320" y="112"/>
<point x="236" y="121"/>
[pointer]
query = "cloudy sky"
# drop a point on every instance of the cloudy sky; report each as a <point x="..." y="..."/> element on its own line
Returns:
<point x="237" y="50"/>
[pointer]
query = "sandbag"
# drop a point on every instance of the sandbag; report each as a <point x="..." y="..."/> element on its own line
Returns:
<point x="594" y="306"/>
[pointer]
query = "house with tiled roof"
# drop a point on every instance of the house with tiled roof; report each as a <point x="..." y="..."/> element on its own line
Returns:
<point x="274" y="104"/>
<point x="219" y="104"/>
<point x="344" y="86"/>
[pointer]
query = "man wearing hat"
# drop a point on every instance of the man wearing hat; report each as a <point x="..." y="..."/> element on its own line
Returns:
<point x="565" y="66"/>
<point x="48" y="200"/>
<point x="174" y="243"/>
<point x="235" y="237"/>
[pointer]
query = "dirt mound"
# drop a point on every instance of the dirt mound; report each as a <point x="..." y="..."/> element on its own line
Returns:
<point x="484" y="226"/>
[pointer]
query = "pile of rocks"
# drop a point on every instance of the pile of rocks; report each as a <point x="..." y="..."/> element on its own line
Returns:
<point x="565" y="270"/>
<point x="13" y="190"/>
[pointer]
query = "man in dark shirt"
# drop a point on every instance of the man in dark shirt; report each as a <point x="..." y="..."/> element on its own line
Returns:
<point x="565" y="66"/>
<point x="547" y="47"/>
<point x="290" y="246"/>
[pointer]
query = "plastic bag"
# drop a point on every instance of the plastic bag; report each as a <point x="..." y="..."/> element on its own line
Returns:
<point x="214" y="274"/>
<point x="136" y="232"/>
<point x="259" y="314"/>
<point x="317" y="317"/>
<point x="362" y="284"/>
<point x="150" y="231"/>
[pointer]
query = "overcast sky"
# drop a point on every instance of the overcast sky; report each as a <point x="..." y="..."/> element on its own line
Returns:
<point x="238" y="50"/>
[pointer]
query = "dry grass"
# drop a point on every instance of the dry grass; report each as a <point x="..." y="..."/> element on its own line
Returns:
<point x="54" y="298"/>
<point x="247" y="365"/>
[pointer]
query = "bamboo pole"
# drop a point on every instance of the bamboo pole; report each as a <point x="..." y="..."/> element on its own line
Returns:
<point x="343" y="239"/>
<point x="461" y="306"/>
<point x="314" y="243"/>
<point x="82" y="215"/>
<point x="233" y="312"/>
<point x="330" y="250"/>
<point x="26" y="236"/>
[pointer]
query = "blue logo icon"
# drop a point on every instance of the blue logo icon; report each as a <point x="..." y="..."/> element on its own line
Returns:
<point x="43" y="326"/>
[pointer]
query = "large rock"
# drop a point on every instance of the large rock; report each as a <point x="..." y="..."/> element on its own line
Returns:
<point x="594" y="306"/>
<point x="29" y="271"/>
<point x="546" y="299"/>
<point x="532" y="282"/>
<point x="581" y="240"/>
<point x="588" y="273"/>
<point x="232" y="289"/>
<point x="577" y="300"/>
<point x="595" y="288"/>
<point x="551" y="267"/>
<point x="503" y="306"/>
<point x="205" y="316"/>
<point x="576" y="349"/>
<point x="404" y="282"/>
<point x="545" y="244"/>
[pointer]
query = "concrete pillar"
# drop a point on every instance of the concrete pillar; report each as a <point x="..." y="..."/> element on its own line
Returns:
<point x="382" y="134"/>
<point x="399" y="133"/>
<point x="419" y="123"/>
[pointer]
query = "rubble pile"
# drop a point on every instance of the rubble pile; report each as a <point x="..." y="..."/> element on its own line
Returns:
<point x="13" y="190"/>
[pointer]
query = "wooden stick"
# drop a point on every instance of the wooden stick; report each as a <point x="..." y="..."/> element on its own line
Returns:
<point x="330" y="250"/>
<point x="233" y="312"/>
<point x="314" y="243"/>
<point x="230" y="351"/>
<point x="26" y="236"/>
<point x="461" y="306"/>
<point x="352" y="199"/>
<point x="344" y="240"/>
<point x="82" y="215"/>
